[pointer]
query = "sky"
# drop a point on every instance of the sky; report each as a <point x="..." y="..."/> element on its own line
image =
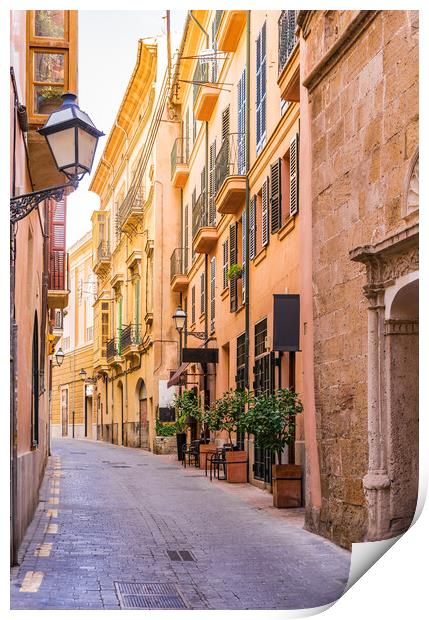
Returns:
<point x="107" y="48"/>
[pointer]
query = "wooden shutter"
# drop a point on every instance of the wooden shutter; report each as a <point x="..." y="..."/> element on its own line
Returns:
<point x="225" y="123"/>
<point x="225" y="263"/>
<point x="243" y="257"/>
<point x="265" y="213"/>
<point x="186" y="239"/>
<point x="261" y="79"/>
<point x="187" y="136"/>
<point x="276" y="196"/>
<point x="252" y="228"/>
<point x="195" y="222"/>
<point x="193" y="305"/>
<point x="212" y="293"/>
<point x="212" y="188"/>
<point x="203" y="293"/>
<point x="57" y="245"/>
<point x="294" y="188"/>
<point x="241" y="124"/>
<point x="233" y="261"/>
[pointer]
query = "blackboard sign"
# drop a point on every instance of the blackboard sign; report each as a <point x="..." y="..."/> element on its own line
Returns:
<point x="167" y="414"/>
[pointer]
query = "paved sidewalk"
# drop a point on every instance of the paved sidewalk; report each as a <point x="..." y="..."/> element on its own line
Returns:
<point x="109" y="514"/>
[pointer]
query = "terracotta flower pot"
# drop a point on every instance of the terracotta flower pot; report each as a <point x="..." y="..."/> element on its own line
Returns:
<point x="236" y="468"/>
<point x="287" y="484"/>
<point x="205" y="448"/>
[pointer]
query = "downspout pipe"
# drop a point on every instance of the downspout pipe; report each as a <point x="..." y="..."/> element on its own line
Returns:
<point x="247" y="207"/>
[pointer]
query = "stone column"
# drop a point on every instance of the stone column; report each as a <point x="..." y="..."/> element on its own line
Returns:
<point x="376" y="482"/>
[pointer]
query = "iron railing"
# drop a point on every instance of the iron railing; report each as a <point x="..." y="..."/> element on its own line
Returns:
<point x="179" y="153"/>
<point x="103" y="251"/>
<point x="111" y="348"/>
<point x="229" y="159"/>
<point x="205" y="73"/>
<point x="200" y="214"/>
<point x="134" y="205"/>
<point x="131" y="335"/>
<point x="287" y="38"/>
<point x="58" y="270"/>
<point x="178" y="262"/>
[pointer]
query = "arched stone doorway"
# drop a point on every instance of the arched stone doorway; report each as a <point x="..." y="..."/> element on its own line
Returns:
<point x="143" y="414"/>
<point x="402" y="390"/>
<point x="118" y="426"/>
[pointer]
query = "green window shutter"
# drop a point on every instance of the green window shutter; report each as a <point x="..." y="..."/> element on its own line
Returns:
<point x="233" y="261"/>
<point x="212" y="293"/>
<point x="137" y="301"/>
<point x="243" y="258"/>
<point x="193" y="304"/>
<point x="252" y="228"/>
<point x="294" y="185"/>
<point x="203" y="293"/>
<point x="212" y="189"/>
<point x="276" y="196"/>
<point x="265" y="214"/>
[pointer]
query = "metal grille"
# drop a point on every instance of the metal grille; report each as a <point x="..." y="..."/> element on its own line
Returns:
<point x="180" y="556"/>
<point x="149" y="596"/>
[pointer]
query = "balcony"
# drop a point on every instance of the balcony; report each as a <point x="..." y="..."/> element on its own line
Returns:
<point x="230" y="30"/>
<point x="230" y="179"/>
<point x="114" y="351"/>
<point x="178" y="270"/>
<point x="102" y="260"/>
<point x="130" y="338"/>
<point x="288" y="79"/>
<point x="206" y="89"/>
<point x="58" y="286"/>
<point x="180" y="162"/>
<point x="204" y="233"/>
<point x="131" y="210"/>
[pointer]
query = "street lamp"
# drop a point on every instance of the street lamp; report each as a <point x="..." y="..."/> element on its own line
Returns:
<point x="179" y="318"/>
<point x="59" y="356"/>
<point x="72" y="139"/>
<point x="82" y="374"/>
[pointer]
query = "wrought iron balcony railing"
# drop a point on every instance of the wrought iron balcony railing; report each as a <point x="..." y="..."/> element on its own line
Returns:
<point x="112" y="348"/>
<point x="205" y="74"/>
<point x="179" y="153"/>
<point x="58" y="270"/>
<point x="103" y="251"/>
<point x="131" y="205"/>
<point x="200" y="214"/>
<point x="131" y="335"/>
<point x="231" y="158"/>
<point x="178" y="262"/>
<point x="287" y="38"/>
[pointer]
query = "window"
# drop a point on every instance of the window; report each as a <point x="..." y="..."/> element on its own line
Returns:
<point x="241" y="128"/>
<point x="212" y="184"/>
<point x="260" y="335"/>
<point x="203" y="293"/>
<point x="35" y="385"/>
<point x="240" y="379"/>
<point x="263" y="371"/>
<point x="252" y="228"/>
<point x="212" y="293"/>
<point x="261" y="89"/>
<point x="104" y="327"/>
<point x="225" y="263"/>
<point x="243" y="257"/>
<point x="294" y="189"/>
<point x="186" y="239"/>
<point x="276" y="196"/>
<point x="265" y="233"/>
<point x="53" y="60"/>
<point x="233" y="261"/>
<point x="193" y="305"/>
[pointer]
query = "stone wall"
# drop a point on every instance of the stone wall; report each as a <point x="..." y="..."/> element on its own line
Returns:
<point x="364" y="124"/>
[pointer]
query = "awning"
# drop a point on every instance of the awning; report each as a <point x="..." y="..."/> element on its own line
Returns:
<point x="175" y="378"/>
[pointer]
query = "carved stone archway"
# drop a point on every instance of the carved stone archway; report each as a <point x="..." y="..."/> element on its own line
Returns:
<point x="386" y="263"/>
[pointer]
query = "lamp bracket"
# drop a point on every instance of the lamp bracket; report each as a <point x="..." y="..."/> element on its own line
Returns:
<point x="199" y="335"/>
<point x="21" y="206"/>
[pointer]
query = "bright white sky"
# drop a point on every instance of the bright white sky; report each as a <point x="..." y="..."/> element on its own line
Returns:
<point x="107" y="56"/>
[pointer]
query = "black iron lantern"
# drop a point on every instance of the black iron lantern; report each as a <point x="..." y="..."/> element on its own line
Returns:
<point x="179" y="319"/>
<point x="72" y="138"/>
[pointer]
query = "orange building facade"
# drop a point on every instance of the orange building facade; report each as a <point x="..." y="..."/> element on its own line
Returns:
<point x="43" y="64"/>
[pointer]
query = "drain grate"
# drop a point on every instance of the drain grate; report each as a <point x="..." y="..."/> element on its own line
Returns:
<point x="149" y="596"/>
<point x="179" y="556"/>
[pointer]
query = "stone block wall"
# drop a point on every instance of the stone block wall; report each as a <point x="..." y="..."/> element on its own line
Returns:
<point x="364" y="124"/>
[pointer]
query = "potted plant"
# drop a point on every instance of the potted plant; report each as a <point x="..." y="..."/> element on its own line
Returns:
<point x="235" y="272"/>
<point x="186" y="405"/>
<point x="164" y="440"/>
<point x="271" y="419"/>
<point x="231" y="417"/>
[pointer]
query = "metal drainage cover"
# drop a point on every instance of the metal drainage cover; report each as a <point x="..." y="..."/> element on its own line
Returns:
<point x="149" y="596"/>
<point x="177" y="556"/>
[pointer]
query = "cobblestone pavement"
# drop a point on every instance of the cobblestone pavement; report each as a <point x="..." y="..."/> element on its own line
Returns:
<point x="110" y="514"/>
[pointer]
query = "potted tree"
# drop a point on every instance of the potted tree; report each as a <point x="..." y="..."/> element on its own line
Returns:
<point x="186" y="405"/>
<point x="272" y="418"/>
<point x="231" y="416"/>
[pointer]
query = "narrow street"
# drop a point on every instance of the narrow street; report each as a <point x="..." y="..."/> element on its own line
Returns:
<point x="109" y="514"/>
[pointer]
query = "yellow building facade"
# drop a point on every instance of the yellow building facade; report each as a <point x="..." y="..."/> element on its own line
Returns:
<point x="73" y="411"/>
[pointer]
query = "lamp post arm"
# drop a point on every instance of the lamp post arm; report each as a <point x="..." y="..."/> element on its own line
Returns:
<point x="199" y="335"/>
<point x="21" y="206"/>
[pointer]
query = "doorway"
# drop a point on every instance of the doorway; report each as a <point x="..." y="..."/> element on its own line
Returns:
<point x="143" y="417"/>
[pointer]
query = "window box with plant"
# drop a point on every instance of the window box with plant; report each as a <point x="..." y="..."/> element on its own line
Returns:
<point x="235" y="272"/>
<point x="271" y="419"/>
